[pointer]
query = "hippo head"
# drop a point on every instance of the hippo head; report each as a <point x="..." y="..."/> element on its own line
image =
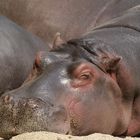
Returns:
<point x="71" y="90"/>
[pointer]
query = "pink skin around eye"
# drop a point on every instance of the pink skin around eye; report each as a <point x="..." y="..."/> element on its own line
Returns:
<point x="82" y="76"/>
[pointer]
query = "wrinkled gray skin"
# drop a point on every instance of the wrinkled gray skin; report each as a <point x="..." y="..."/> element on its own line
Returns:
<point x="17" y="53"/>
<point x="83" y="86"/>
<point x="72" y="18"/>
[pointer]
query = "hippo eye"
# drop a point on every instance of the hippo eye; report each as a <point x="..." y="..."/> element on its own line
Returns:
<point x="82" y="75"/>
<point x="85" y="76"/>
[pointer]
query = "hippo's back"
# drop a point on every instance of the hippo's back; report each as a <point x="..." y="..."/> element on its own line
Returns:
<point x="17" y="52"/>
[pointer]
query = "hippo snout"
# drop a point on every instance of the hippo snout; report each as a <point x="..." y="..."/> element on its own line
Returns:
<point x="12" y="103"/>
<point x="24" y="115"/>
<point x="30" y="114"/>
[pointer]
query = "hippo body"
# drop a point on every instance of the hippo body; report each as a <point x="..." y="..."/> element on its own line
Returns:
<point x="70" y="17"/>
<point x="17" y="53"/>
<point x="85" y="85"/>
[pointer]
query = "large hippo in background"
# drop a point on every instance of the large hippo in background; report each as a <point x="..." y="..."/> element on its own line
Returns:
<point x="17" y="53"/>
<point x="82" y="86"/>
<point x="70" y="17"/>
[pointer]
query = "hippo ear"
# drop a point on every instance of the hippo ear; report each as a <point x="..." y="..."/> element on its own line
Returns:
<point x="37" y="68"/>
<point x="111" y="64"/>
<point x="40" y="62"/>
<point x="58" y="41"/>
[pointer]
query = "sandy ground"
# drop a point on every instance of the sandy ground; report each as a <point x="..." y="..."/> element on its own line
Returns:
<point x="54" y="136"/>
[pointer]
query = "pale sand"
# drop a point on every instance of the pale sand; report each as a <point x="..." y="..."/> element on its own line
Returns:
<point x="54" y="136"/>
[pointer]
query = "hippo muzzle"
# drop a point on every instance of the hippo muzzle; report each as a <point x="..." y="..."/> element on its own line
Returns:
<point x="30" y="114"/>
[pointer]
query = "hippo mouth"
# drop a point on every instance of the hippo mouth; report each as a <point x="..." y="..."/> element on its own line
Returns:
<point x="29" y="115"/>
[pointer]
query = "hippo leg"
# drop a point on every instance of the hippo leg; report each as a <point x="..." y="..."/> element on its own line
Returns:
<point x="134" y="127"/>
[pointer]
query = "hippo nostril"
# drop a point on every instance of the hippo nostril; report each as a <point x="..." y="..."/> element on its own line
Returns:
<point x="7" y="99"/>
<point x="33" y="104"/>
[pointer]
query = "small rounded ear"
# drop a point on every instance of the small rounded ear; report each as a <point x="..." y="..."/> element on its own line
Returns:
<point x="58" y="41"/>
<point x="33" y="74"/>
<point x="40" y="60"/>
<point x="111" y="63"/>
<point x="38" y="66"/>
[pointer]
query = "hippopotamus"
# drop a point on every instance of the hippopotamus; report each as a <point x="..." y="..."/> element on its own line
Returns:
<point x="85" y="85"/>
<point x="18" y="49"/>
<point x="70" y="17"/>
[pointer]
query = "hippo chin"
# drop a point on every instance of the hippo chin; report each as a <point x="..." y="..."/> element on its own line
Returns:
<point x="82" y="86"/>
